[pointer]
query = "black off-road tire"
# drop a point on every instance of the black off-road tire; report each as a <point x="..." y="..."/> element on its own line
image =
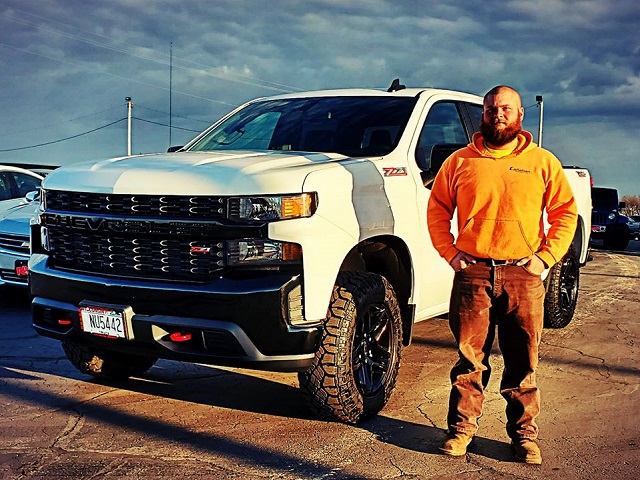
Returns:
<point x="357" y="363"/>
<point x="103" y="364"/>
<point x="562" y="291"/>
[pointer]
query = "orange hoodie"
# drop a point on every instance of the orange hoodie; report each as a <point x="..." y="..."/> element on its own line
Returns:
<point x="500" y="204"/>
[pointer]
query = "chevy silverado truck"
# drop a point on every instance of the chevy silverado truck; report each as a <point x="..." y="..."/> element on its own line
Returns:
<point x="291" y="235"/>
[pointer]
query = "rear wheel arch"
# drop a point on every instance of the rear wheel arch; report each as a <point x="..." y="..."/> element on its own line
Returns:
<point x="562" y="286"/>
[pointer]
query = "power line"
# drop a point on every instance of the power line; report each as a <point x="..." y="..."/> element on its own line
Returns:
<point x="163" y="125"/>
<point x="208" y="122"/>
<point x="95" y="130"/>
<point x="62" y="139"/>
<point x="30" y="129"/>
<point x="202" y="68"/>
<point x="117" y="76"/>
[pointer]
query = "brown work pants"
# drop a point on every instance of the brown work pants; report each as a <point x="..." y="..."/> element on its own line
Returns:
<point x="511" y="298"/>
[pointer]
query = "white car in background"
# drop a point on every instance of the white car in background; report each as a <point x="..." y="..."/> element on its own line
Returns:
<point x="15" y="183"/>
<point x="14" y="243"/>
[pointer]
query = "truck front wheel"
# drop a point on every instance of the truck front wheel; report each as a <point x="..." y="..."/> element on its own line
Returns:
<point x="357" y="363"/>
<point x="562" y="291"/>
<point x="102" y="364"/>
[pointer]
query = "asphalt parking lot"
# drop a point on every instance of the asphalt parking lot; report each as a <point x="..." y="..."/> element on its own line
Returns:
<point x="195" y="421"/>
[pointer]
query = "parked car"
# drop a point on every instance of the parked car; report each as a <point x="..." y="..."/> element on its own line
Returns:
<point x="15" y="183"/>
<point x="14" y="243"/>
<point x="634" y="226"/>
<point x="607" y="221"/>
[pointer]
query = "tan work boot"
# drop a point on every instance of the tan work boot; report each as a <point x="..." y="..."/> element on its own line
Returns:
<point x="456" y="444"/>
<point x="527" y="450"/>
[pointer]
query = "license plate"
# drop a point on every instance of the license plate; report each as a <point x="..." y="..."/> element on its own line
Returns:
<point x="106" y="320"/>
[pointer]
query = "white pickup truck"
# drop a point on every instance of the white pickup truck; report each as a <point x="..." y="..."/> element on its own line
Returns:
<point x="291" y="235"/>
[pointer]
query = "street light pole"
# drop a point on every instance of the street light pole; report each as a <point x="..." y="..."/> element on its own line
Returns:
<point x="129" y="109"/>
<point x="541" y="106"/>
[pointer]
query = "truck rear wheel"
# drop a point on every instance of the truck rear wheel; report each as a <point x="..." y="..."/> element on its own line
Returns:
<point x="357" y="363"/>
<point x="562" y="291"/>
<point x="102" y="364"/>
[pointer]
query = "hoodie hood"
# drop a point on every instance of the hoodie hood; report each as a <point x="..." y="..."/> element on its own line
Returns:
<point x="525" y="142"/>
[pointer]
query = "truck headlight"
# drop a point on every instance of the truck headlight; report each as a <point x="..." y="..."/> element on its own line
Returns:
<point x="262" y="252"/>
<point x="272" y="208"/>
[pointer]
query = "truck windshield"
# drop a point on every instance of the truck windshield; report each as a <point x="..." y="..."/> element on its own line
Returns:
<point x="352" y="126"/>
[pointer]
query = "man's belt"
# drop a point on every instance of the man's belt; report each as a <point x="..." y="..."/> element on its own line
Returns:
<point x="495" y="263"/>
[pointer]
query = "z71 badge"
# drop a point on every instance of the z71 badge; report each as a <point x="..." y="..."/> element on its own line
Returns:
<point x="395" y="171"/>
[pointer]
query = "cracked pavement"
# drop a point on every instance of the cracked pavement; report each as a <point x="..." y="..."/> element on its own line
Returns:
<point x="202" y="422"/>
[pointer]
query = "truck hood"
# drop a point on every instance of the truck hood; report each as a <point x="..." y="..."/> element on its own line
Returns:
<point x="193" y="173"/>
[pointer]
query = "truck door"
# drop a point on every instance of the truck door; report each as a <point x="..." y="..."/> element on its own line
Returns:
<point x="443" y="132"/>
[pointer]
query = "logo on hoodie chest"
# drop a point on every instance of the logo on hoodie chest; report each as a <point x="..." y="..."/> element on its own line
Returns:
<point x="519" y="170"/>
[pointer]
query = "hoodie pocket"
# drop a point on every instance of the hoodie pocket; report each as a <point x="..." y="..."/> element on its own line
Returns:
<point x="495" y="238"/>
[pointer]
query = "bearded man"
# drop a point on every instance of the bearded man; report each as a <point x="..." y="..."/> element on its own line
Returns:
<point x="499" y="187"/>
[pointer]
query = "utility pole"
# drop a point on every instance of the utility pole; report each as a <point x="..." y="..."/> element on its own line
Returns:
<point x="129" y="109"/>
<point x="170" y="86"/>
<point x="541" y="106"/>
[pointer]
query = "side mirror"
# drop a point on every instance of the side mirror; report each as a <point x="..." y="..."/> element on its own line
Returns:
<point x="174" y="148"/>
<point x="33" y="196"/>
<point x="439" y="153"/>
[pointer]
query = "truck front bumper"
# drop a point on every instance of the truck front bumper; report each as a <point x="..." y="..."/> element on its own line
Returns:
<point x="239" y="321"/>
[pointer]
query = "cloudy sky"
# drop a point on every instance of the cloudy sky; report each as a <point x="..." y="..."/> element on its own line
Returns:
<point x="66" y="67"/>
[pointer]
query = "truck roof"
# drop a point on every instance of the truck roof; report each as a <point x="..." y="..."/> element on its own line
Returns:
<point x="365" y="92"/>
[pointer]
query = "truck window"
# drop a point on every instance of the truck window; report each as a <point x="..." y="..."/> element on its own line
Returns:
<point x="475" y="112"/>
<point x="442" y="126"/>
<point x="606" y="198"/>
<point x="352" y="126"/>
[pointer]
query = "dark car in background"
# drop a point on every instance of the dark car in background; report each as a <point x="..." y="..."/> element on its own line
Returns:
<point x="607" y="222"/>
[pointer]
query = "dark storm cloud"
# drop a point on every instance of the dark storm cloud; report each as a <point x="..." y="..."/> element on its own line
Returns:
<point x="66" y="60"/>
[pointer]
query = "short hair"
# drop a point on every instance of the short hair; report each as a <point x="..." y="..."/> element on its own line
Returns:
<point x="498" y="88"/>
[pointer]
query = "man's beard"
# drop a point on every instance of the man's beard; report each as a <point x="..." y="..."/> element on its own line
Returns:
<point x="499" y="137"/>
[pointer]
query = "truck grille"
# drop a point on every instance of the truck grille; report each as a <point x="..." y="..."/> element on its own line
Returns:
<point x="136" y="256"/>
<point x="598" y="218"/>
<point x="14" y="243"/>
<point x="151" y="206"/>
<point x="166" y="238"/>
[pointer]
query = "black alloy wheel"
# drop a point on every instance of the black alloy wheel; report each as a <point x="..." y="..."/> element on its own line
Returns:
<point x="373" y="350"/>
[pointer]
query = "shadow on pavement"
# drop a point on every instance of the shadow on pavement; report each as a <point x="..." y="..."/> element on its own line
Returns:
<point x="243" y="452"/>
<point x="427" y="439"/>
